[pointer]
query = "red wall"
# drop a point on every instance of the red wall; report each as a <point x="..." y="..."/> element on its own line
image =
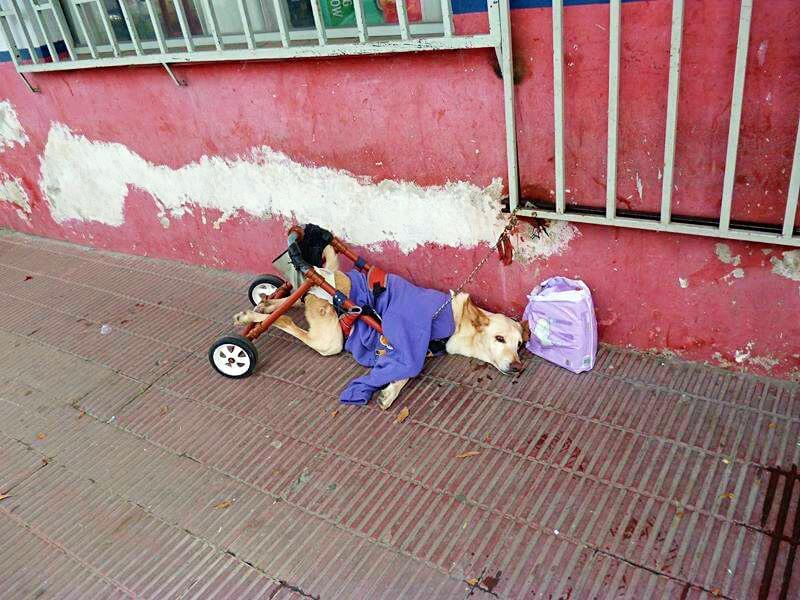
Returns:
<point x="420" y="118"/>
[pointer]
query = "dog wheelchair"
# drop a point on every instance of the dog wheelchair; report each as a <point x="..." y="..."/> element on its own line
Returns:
<point x="236" y="356"/>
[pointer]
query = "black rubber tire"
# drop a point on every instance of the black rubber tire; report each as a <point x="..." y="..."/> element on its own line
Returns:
<point x="270" y="279"/>
<point x="240" y="342"/>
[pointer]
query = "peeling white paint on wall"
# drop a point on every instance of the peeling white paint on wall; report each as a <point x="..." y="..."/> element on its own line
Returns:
<point x="742" y="355"/>
<point x="89" y="180"/>
<point x="737" y="273"/>
<point x="11" y="131"/>
<point x="723" y="252"/>
<point x="745" y="356"/>
<point x="551" y="240"/>
<point x="762" y="53"/>
<point x="765" y="362"/>
<point x="788" y="265"/>
<point x="11" y="191"/>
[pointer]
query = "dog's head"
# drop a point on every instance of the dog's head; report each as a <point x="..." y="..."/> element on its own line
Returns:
<point x="490" y="337"/>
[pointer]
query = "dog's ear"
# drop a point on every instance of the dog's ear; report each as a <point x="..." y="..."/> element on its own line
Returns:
<point x="526" y="330"/>
<point x="474" y="315"/>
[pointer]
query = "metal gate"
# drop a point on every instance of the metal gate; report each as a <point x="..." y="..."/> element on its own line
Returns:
<point x="722" y="226"/>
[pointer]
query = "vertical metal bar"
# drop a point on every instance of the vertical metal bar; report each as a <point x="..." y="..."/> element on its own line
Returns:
<point x="794" y="190"/>
<point x="8" y="38"/>
<point x="63" y="29"/>
<point x="82" y="22"/>
<point x="129" y="24"/>
<point x="262" y="9"/>
<point x="673" y="87"/>
<point x="246" y="26"/>
<point x="319" y="22"/>
<point x="558" y="99"/>
<point x="495" y="29"/>
<point x="361" y="22"/>
<point x="184" y="24"/>
<point x="736" y="113"/>
<point x="507" y="67"/>
<point x="23" y="27"/>
<point x="213" y="25"/>
<point x="112" y="39"/>
<point x="447" y="18"/>
<point x="283" y="24"/>
<point x="402" y="18"/>
<point x="156" y="22"/>
<point x="43" y="30"/>
<point x="613" y="107"/>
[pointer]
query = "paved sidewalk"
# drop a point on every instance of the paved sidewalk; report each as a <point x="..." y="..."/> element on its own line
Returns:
<point x="131" y="469"/>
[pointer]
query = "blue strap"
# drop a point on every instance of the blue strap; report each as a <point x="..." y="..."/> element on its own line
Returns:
<point x="338" y="301"/>
<point x="360" y="263"/>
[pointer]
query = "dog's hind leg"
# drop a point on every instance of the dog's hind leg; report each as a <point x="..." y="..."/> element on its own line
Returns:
<point x="324" y="334"/>
<point x="389" y="394"/>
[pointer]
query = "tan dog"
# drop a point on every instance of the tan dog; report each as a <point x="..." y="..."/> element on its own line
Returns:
<point x="489" y="337"/>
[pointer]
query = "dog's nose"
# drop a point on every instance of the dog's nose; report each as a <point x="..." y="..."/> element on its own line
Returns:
<point x="516" y="366"/>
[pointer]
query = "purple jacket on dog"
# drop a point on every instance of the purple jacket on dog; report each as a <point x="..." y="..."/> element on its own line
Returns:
<point x="407" y="314"/>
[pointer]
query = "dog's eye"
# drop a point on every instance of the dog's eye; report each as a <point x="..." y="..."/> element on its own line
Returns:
<point x="500" y="339"/>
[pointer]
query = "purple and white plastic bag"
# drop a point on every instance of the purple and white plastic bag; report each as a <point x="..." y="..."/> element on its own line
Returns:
<point x="560" y="314"/>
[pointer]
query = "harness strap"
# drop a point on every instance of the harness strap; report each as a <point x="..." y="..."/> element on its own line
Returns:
<point x="338" y="302"/>
<point x="347" y="321"/>
<point x="377" y="282"/>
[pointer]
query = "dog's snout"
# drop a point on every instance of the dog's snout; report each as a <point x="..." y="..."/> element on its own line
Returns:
<point x="516" y="366"/>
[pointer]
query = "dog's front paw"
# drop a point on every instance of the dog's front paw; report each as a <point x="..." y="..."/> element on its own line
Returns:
<point x="386" y="397"/>
<point x="241" y="318"/>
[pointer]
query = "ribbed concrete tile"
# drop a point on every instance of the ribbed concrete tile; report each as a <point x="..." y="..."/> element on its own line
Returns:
<point x="63" y="380"/>
<point x="17" y="463"/>
<point x="37" y="568"/>
<point x="144" y="359"/>
<point x="246" y="450"/>
<point x="115" y="538"/>
<point x="30" y="427"/>
<point x="105" y="401"/>
<point x="647" y="477"/>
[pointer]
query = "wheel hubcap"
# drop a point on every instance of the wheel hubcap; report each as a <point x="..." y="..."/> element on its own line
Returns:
<point x="262" y="289"/>
<point x="231" y="359"/>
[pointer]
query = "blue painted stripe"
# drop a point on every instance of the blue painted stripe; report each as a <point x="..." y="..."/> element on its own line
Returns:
<point x="471" y="6"/>
<point x="41" y="52"/>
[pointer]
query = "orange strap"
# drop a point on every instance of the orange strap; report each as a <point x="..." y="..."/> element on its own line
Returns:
<point x="376" y="276"/>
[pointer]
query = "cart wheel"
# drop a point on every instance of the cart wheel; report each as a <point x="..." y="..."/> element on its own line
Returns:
<point x="233" y="356"/>
<point x="263" y="284"/>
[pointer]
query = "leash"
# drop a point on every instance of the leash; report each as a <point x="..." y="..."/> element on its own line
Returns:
<point x="502" y="245"/>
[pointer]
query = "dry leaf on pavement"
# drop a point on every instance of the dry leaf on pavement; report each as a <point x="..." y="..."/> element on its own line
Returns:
<point x="402" y="415"/>
<point x="468" y="454"/>
<point x="223" y="504"/>
<point x="41" y="436"/>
